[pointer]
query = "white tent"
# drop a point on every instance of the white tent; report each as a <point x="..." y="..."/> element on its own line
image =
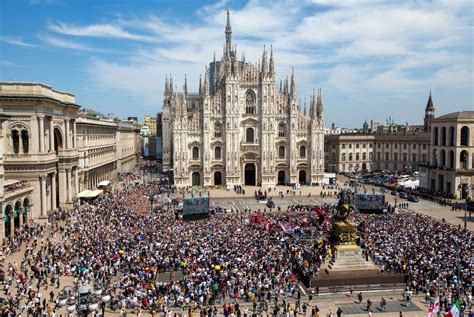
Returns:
<point x="94" y="193"/>
<point x="83" y="194"/>
<point x="103" y="184"/>
<point x="87" y="194"/>
<point x="410" y="183"/>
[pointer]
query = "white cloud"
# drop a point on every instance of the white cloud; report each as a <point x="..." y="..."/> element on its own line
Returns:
<point x="16" y="41"/>
<point x="97" y="30"/>
<point x="57" y="42"/>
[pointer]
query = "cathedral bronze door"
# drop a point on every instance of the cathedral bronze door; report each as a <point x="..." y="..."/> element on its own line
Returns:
<point x="281" y="178"/>
<point x="302" y="177"/>
<point x="250" y="174"/>
<point x="217" y="178"/>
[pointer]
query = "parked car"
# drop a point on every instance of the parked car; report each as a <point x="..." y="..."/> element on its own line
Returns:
<point x="394" y="193"/>
<point x="403" y="195"/>
<point x="412" y="198"/>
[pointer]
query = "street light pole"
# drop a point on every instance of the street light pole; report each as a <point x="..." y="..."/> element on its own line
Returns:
<point x="465" y="216"/>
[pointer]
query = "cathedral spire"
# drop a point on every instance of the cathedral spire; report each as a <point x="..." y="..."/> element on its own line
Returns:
<point x="272" y="64"/>
<point x="264" y="69"/>
<point x="171" y="85"/>
<point x="228" y="33"/>
<point x="200" y="85"/>
<point x="304" y="109"/>
<point x="293" y="84"/>
<point x="319" y="105"/>
<point x="205" y="82"/>
<point x="312" y="106"/>
<point x="185" y="85"/>
<point x="167" y="86"/>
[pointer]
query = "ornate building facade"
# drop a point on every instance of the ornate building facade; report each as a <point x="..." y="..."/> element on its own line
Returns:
<point x="49" y="152"/>
<point x="451" y="168"/>
<point x="241" y="128"/>
<point x="393" y="147"/>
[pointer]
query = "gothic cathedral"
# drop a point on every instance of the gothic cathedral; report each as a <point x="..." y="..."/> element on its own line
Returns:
<point x="241" y="128"/>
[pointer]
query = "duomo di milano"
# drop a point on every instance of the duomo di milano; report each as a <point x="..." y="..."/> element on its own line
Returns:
<point x="241" y="128"/>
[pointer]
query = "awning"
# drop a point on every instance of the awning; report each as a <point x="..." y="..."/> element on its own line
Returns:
<point x="89" y="193"/>
<point x="83" y="194"/>
<point x="94" y="193"/>
<point x="103" y="184"/>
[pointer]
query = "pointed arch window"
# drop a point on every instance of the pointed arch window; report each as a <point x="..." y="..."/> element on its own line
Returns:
<point x="217" y="130"/>
<point x="281" y="152"/>
<point x="250" y="103"/>
<point x="195" y="153"/>
<point x="217" y="153"/>
<point x="302" y="151"/>
<point x="281" y="130"/>
<point x="249" y="135"/>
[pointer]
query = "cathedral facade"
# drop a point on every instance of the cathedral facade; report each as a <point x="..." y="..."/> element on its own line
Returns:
<point x="241" y="128"/>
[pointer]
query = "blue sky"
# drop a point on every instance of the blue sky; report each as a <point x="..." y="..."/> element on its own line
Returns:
<point x="372" y="59"/>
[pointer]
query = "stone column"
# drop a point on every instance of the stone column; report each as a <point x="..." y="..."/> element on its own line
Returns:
<point x="21" y="216"/>
<point x="66" y="138"/>
<point x="76" y="180"/>
<point x="53" y="191"/>
<point x="68" y="185"/>
<point x="43" y="195"/>
<point x="62" y="187"/>
<point x="20" y="143"/>
<point x="74" y="133"/>
<point x="2" y="226"/>
<point x="12" y="224"/>
<point x="41" y="133"/>
<point x="51" y="134"/>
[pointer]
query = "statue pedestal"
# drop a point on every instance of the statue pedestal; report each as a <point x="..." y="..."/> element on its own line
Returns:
<point x="350" y="267"/>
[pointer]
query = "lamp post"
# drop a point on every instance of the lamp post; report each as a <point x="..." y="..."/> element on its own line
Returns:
<point x="151" y="198"/>
<point x="84" y="300"/>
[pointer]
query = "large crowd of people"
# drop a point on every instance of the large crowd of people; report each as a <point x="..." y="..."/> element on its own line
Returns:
<point x="154" y="262"/>
<point x="432" y="254"/>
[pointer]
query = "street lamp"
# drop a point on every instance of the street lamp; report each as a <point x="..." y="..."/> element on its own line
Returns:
<point x="84" y="299"/>
<point x="151" y="198"/>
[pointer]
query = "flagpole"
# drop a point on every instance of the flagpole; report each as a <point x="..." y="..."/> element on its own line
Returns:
<point x="439" y="294"/>
<point x="459" y="288"/>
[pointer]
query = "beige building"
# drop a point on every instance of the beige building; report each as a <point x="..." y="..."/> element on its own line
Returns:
<point x="451" y="168"/>
<point x="49" y="152"/>
<point x="15" y="197"/>
<point x="393" y="147"/>
<point x="349" y="152"/>
<point x="106" y="146"/>
<point x="97" y="145"/>
<point x="401" y="152"/>
<point x="128" y="145"/>
<point x="40" y="144"/>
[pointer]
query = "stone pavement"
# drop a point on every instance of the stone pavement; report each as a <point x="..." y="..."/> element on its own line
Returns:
<point x="354" y="308"/>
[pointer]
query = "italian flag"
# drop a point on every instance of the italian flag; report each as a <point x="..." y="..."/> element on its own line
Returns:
<point x="454" y="312"/>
